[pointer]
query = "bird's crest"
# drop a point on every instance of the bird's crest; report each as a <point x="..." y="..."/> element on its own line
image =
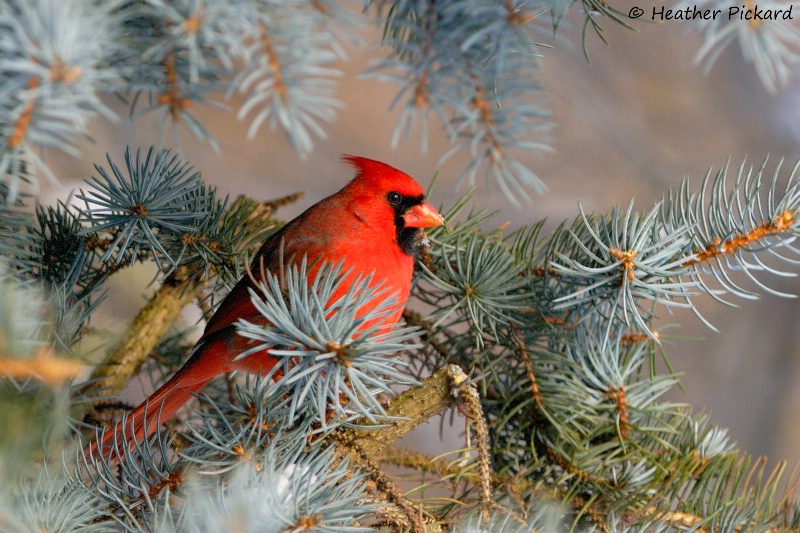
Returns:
<point x="381" y="177"/>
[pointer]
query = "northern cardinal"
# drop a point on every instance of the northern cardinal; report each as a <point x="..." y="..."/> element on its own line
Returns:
<point x="370" y="226"/>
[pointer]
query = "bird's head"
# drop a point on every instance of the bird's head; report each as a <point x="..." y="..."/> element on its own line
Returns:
<point x="386" y="194"/>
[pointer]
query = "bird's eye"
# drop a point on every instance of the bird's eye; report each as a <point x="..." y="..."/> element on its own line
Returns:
<point x="394" y="198"/>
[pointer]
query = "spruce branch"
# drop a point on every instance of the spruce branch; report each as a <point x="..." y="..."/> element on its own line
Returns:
<point x="156" y="195"/>
<point x="20" y="129"/>
<point x="52" y="501"/>
<point x="333" y="363"/>
<point x="782" y="224"/>
<point x="289" y="77"/>
<point x="171" y="98"/>
<point x="56" y="58"/>
<point x="149" y="326"/>
<point x="555" y="331"/>
<point x="453" y="471"/>
<point x="597" y="10"/>
<point x="412" y="513"/>
<point x="771" y="47"/>
<point x="603" y="447"/>
<point x="283" y="58"/>
<point x="161" y="204"/>
<point x="408" y="410"/>
<point x="732" y="228"/>
<point x="529" y="369"/>
<point x="498" y="111"/>
<point x="568" y="408"/>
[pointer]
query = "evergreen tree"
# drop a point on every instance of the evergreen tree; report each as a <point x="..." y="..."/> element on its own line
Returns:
<point x="547" y="346"/>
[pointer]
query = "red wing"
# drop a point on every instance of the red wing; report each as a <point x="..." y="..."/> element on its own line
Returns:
<point x="236" y="305"/>
<point x="289" y="245"/>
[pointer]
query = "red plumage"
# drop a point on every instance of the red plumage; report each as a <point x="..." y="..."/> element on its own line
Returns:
<point x="364" y="226"/>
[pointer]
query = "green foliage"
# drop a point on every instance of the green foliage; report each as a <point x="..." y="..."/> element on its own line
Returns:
<point x="472" y="65"/>
<point x="330" y="360"/>
<point x="771" y="48"/>
<point x="56" y="57"/>
<point x="163" y="199"/>
<point x="559" y="333"/>
<point x="53" y="502"/>
<point x="570" y="390"/>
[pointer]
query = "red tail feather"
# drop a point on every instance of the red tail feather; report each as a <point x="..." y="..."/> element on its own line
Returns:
<point x="209" y="360"/>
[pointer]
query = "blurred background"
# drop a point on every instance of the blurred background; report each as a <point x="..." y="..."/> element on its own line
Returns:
<point x="632" y="123"/>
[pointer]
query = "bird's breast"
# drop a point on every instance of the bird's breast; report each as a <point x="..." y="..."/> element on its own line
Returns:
<point x="389" y="267"/>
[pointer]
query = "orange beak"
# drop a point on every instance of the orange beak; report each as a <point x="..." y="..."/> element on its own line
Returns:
<point x="422" y="215"/>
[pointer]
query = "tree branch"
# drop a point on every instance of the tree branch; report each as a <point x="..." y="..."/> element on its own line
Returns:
<point x="146" y="330"/>
<point x="415" y="406"/>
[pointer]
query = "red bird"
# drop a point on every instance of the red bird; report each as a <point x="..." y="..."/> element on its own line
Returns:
<point x="370" y="226"/>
